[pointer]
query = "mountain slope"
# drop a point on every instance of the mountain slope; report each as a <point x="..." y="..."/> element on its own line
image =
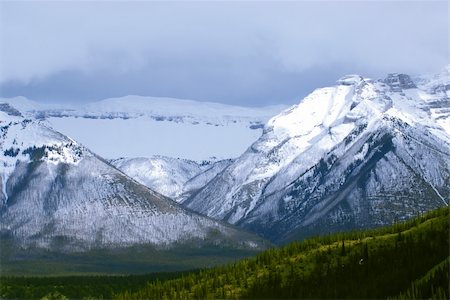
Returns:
<point x="374" y="264"/>
<point x="164" y="175"/>
<point x="182" y="128"/>
<point x="58" y="195"/>
<point x="360" y="154"/>
<point x="193" y="185"/>
<point x="172" y="177"/>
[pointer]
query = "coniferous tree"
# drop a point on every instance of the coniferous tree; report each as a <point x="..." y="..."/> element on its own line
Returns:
<point x="343" y="248"/>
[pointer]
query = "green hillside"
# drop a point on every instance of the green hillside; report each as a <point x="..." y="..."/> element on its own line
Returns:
<point x="405" y="261"/>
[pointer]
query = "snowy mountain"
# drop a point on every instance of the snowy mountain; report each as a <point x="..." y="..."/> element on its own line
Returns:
<point x="172" y="177"/>
<point x="359" y="154"/>
<point x="196" y="183"/>
<point x="58" y="194"/>
<point x="129" y="126"/>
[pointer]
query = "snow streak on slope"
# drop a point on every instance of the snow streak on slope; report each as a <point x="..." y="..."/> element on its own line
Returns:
<point x="56" y="193"/>
<point x="359" y="154"/>
<point x="135" y="126"/>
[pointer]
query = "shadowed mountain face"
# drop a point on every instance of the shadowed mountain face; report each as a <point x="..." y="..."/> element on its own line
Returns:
<point x="360" y="154"/>
<point x="58" y="195"/>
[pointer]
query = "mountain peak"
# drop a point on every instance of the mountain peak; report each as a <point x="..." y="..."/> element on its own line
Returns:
<point x="399" y="81"/>
<point x="351" y="79"/>
<point x="358" y="154"/>
<point x="53" y="189"/>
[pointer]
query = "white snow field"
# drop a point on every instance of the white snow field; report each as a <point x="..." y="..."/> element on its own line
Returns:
<point x="135" y="126"/>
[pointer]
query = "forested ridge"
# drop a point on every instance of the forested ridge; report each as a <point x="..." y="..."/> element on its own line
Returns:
<point x="408" y="260"/>
<point x="373" y="264"/>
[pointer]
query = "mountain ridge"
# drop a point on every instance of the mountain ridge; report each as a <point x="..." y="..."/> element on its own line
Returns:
<point x="57" y="194"/>
<point x="382" y="131"/>
<point x="175" y="178"/>
<point x="183" y="128"/>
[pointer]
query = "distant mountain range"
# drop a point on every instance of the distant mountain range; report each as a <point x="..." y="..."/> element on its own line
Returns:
<point x="58" y="195"/>
<point x="129" y="126"/>
<point x="360" y="154"/>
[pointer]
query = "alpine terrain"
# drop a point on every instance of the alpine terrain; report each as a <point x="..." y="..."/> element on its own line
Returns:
<point x="175" y="178"/>
<point x="130" y="125"/>
<point x="58" y="195"/>
<point x="359" y="154"/>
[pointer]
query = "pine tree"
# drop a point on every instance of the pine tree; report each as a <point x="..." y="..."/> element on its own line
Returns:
<point x="365" y="253"/>
<point x="343" y="248"/>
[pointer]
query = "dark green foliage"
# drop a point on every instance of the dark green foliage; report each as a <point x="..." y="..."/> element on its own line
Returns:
<point x="11" y="152"/>
<point x="75" y="287"/>
<point x="434" y="285"/>
<point x="79" y="275"/>
<point x="373" y="264"/>
<point x="343" y="249"/>
<point x="406" y="261"/>
<point x="139" y="259"/>
<point x="54" y="296"/>
<point x="35" y="153"/>
<point x="365" y="255"/>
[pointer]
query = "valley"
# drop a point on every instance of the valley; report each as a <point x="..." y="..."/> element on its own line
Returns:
<point x="362" y="154"/>
<point x="379" y="263"/>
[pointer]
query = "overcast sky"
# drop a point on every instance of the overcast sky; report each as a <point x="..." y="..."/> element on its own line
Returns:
<point x="247" y="53"/>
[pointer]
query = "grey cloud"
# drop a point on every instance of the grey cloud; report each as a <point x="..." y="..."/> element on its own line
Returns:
<point x="249" y="53"/>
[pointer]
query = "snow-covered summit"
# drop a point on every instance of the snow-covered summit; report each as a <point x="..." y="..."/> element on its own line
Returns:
<point x="360" y="153"/>
<point x="177" y="109"/>
<point x="157" y="108"/>
<point x="350" y="79"/>
<point x="23" y="140"/>
<point x="57" y="193"/>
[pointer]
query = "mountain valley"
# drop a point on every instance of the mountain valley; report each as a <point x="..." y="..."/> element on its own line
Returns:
<point x="58" y="196"/>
